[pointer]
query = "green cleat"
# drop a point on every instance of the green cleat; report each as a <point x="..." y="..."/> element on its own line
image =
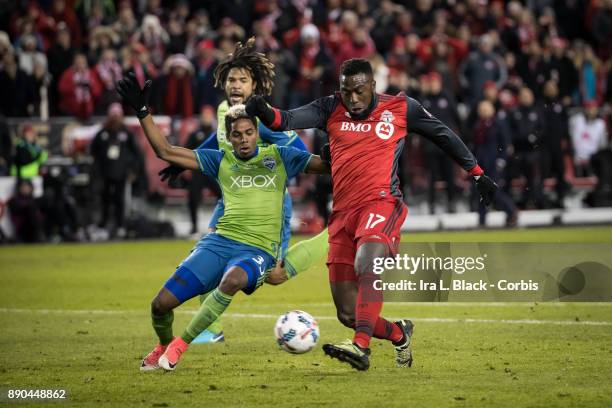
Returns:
<point x="403" y="351"/>
<point x="349" y="352"/>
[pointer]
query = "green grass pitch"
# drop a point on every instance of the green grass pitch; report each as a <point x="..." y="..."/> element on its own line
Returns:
<point x="76" y="317"/>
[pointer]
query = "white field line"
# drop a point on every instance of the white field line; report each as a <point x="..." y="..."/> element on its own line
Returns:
<point x="464" y="304"/>
<point x="275" y="316"/>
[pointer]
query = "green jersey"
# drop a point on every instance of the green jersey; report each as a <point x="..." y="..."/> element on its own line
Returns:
<point x="253" y="191"/>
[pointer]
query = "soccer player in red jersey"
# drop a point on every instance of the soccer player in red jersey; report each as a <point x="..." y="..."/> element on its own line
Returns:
<point x="367" y="133"/>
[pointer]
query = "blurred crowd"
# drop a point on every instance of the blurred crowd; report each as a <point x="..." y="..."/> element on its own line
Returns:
<point x="527" y="84"/>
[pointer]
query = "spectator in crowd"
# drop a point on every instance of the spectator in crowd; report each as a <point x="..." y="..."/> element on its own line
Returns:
<point x="58" y="207"/>
<point x="490" y="148"/>
<point x="25" y="213"/>
<point x="176" y="96"/>
<point x="384" y="20"/>
<point x="562" y="70"/>
<point x="79" y="89"/>
<point x="117" y="158"/>
<point x="555" y="139"/>
<point x="480" y="66"/>
<point x="102" y="38"/>
<point x="588" y="134"/>
<point x="126" y="24"/>
<point x="61" y="55"/>
<point x="314" y="67"/>
<point x="198" y="180"/>
<point x="601" y="163"/>
<point x="29" y="154"/>
<point x="601" y="27"/>
<point x="136" y="58"/>
<point x="526" y="124"/>
<point x="61" y="12"/>
<point x="205" y="92"/>
<point x="18" y="89"/>
<point x="29" y="56"/>
<point x="108" y="72"/>
<point x="6" y="148"/>
<point x="587" y="64"/>
<point x="443" y="106"/>
<point x="154" y="37"/>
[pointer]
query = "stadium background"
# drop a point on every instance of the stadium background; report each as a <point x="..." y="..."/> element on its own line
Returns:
<point x="551" y="158"/>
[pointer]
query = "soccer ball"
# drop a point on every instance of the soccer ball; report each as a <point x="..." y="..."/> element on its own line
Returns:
<point x="296" y="332"/>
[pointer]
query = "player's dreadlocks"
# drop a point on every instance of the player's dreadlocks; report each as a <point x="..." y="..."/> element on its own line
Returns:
<point x="258" y="65"/>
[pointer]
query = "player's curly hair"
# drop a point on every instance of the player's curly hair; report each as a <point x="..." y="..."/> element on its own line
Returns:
<point x="258" y="65"/>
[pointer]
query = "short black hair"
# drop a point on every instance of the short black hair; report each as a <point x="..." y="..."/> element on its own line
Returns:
<point x="356" y="66"/>
<point x="237" y="112"/>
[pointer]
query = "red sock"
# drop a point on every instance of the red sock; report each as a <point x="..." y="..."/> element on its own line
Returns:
<point x="387" y="330"/>
<point x="367" y="309"/>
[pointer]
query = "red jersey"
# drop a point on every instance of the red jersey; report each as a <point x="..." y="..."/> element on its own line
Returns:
<point x="365" y="153"/>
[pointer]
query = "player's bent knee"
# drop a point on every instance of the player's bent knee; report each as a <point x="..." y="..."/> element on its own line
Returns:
<point x="234" y="280"/>
<point x="158" y="308"/>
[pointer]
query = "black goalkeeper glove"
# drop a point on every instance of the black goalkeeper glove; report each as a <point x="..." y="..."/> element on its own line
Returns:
<point x="257" y="106"/>
<point x="130" y="92"/>
<point x="170" y="173"/>
<point x="486" y="188"/>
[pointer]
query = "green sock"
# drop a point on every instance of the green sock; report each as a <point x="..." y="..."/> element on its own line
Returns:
<point x="215" y="327"/>
<point x="305" y="254"/>
<point x="214" y="305"/>
<point x="163" y="327"/>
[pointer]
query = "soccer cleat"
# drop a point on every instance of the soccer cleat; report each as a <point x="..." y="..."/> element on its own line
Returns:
<point x="208" y="337"/>
<point x="151" y="361"/>
<point x="171" y="356"/>
<point x="403" y="351"/>
<point x="349" y="352"/>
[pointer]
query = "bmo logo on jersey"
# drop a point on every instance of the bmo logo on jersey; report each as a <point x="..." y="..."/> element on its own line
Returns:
<point x="355" y="127"/>
<point x="383" y="129"/>
<point x="259" y="181"/>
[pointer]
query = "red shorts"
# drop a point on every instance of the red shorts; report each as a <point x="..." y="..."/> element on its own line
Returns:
<point x="376" y="221"/>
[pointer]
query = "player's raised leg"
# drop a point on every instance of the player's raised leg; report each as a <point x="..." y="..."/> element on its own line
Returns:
<point x="306" y="253"/>
<point x="182" y="286"/>
<point x="214" y="332"/>
<point x="378" y="235"/>
<point x="244" y="272"/>
<point x="213" y="306"/>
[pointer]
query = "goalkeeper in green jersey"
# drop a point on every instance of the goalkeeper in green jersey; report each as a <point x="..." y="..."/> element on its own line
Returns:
<point x="240" y="253"/>
<point x="243" y="73"/>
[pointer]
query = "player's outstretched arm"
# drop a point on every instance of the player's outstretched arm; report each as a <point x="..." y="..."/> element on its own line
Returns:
<point x="131" y="93"/>
<point x="313" y="115"/>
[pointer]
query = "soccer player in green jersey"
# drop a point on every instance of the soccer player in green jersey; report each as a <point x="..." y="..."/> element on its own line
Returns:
<point x="246" y="243"/>
<point x="246" y="72"/>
